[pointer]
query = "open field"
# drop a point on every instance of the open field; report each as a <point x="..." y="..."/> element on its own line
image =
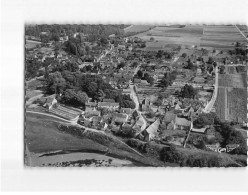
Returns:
<point x="222" y="37"/>
<point x="138" y="28"/>
<point x="42" y="135"/>
<point x="31" y="44"/>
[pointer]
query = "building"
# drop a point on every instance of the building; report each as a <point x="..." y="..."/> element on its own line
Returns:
<point x="152" y="131"/>
<point x="49" y="101"/>
<point x="108" y="105"/>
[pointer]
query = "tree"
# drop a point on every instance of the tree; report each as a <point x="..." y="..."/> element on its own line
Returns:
<point x="204" y="119"/>
<point x="152" y="39"/>
<point x="55" y="83"/>
<point x="150" y="80"/>
<point x="140" y="74"/>
<point x="121" y="65"/>
<point x="164" y="82"/>
<point x="75" y="98"/>
<point x="91" y="88"/>
<point x="188" y="92"/>
<point x="100" y="95"/>
<point x="210" y="60"/>
<point x="184" y="55"/>
<point x="82" y="97"/>
<point x="32" y="67"/>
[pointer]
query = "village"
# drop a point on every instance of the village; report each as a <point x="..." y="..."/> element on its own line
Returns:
<point x="116" y="86"/>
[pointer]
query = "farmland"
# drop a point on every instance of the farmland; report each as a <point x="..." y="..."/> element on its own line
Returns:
<point x="231" y="97"/>
<point x="138" y="28"/>
<point x="222" y="37"/>
<point x="243" y="29"/>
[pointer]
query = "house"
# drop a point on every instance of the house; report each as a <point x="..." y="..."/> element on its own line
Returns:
<point x="182" y="123"/>
<point x="135" y="115"/>
<point x="119" y="118"/>
<point x="89" y="111"/>
<point x="109" y="100"/>
<point x="152" y="131"/>
<point x="50" y="101"/>
<point x="135" y="80"/>
<point x="199" y="130"/>
<point x="108" y="105"/>
<point x="127" y="111"/>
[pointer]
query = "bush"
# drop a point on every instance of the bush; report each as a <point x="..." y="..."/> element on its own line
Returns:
<point x="170" y="155"/>
<point x="126" y="132"/>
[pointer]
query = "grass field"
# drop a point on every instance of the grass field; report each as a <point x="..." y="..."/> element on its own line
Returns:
<point x="31" y="44"/>
<point x="43" y="136"/>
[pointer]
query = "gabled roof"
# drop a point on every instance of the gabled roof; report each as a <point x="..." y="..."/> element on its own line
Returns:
<point x="153" y="128"/>
<point x="182" y="122"/>
<point x="126" y="110"/>
<point x="109" y="100"/>
<point x="107" y="104"/>
<point x="169" y="116"/>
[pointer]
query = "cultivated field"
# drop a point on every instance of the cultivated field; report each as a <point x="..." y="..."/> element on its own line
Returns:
<point x="222" y="37"/>
<point x="231" y="102"/>
<point x="169" y="36"/>
<point x="243" y="29"/>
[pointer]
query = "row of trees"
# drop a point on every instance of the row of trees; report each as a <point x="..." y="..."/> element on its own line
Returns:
<point x="94" y="31"/>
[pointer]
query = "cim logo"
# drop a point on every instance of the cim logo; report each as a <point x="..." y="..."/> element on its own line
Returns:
<point x="218" y="149"/>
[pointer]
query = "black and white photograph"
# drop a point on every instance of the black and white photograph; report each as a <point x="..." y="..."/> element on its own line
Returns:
<point x="135" y="95"/>
<point x="120" y="95"/>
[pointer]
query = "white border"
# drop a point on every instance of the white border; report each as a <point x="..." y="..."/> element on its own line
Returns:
<point x="16" y="12"/>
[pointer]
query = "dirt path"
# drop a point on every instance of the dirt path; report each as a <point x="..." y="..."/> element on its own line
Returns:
<point x="210" y="105"/>
<point x="241" y="33"/>
<point x="50" y="115"/>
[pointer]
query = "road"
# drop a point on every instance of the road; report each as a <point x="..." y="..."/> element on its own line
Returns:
<point x="136" y="100"/>
<point x="241" y="33"/>
<point x="210" y="104"/>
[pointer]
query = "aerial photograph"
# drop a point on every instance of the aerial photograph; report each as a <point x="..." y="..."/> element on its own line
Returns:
<point x="135" y="95"/>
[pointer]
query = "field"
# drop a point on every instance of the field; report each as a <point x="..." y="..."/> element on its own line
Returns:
<point x="164" y="36"/>
<point x="221" y="37"/>
<point x="243" y="29"/>
<point x="233" y="80"/>
<point x="138" y="28"/>
<point x="31" y="44"/>
<point x="42" y="135"/>
<point x="231" y="99"/>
